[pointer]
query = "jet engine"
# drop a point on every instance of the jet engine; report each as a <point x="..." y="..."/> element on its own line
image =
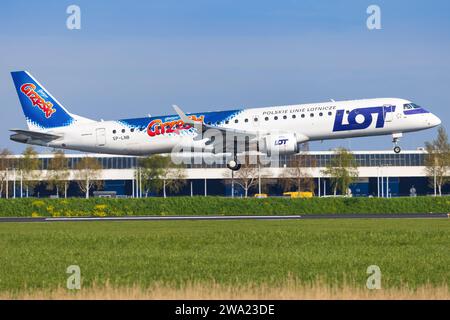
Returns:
<point x="281" y="144"/>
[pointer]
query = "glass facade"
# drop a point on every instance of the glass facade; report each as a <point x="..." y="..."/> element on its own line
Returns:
<point x="311" y="159"/>
<point x="308" y="160"/>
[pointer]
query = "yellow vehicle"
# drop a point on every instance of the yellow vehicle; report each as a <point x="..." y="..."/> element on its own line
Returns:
<point x="297" y="194"/>
<point x="260" y="195"/>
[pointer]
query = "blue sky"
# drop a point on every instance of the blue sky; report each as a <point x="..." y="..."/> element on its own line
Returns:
<point x="132" y="58"/>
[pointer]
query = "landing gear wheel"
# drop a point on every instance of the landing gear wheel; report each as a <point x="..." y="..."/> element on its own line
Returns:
<point x="395" y="139"/>
<point x="233" y="165"/>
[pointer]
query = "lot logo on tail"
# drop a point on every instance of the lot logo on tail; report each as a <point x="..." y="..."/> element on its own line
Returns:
<point x="365" y="119"/>
<point x="46" y="107"/>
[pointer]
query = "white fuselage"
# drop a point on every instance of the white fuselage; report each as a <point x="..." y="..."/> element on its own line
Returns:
<point x="313" y="121"/>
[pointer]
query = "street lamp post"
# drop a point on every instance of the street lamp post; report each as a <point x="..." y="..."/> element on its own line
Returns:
<point x="232" y="183"/>
<point x="21" y="183"/>
<point x="434" y="178"/>
<point x="259" y="178"/>
<point x="14" y="184"/>
<point x="136" y="182"/>
<point x="387" y="186"/>
<point x="140" y="183"/>
<point x="378" y="182"/>
<point x="318" y="185"/>
<point x="7" y="185"/>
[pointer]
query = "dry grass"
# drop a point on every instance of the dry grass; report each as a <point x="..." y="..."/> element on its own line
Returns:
<point x="290" y="291"/>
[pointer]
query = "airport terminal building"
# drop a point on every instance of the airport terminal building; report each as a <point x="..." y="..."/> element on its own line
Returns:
<point x="381" y="174"/>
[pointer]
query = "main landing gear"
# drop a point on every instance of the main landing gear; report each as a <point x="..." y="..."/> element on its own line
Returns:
<point x="234" y="164"/>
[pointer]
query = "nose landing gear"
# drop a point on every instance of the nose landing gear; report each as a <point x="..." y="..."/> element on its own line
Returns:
<point x="395" y="139"/>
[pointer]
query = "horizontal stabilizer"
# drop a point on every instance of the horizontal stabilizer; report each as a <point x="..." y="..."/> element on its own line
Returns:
<point x="25" y="135"/>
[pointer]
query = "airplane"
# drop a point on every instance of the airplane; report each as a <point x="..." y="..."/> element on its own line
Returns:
<point x="274" y="130"/>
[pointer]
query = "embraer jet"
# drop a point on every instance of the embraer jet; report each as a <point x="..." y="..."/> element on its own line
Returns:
<point x="275" y="130"/>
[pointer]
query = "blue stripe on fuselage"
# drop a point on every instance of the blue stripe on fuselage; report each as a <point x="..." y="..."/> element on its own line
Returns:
<point x="415" y="111"/>
<point x="213" y="117"/>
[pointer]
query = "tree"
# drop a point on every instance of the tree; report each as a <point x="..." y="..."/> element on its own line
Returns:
<point x="247" y="176"/>
<point x="4" y="165"/>
<point x="437" y="161"/>
<point x="159" y="173"/>
<point x="173" y="180"/>
<point x="87" y="174"/>
<point x="29" y="166"/>
<point x="342" y="170"/>
<point x="58" y="172"/>
<point x="298" y="174"/>
<point x="151" y="169"/>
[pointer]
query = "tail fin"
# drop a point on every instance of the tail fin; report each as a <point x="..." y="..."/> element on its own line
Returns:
<point x="42" y="111"/>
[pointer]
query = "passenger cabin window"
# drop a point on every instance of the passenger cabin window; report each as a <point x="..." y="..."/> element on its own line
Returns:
<point x="114" y="131"/>
<point x="236" y="121"/>
<point x="293" y="116"/>
<point x="266" y="118"/>
<point x="275" y="118"/>
<point x="246" y="120"/>
<point x="284" y="117"/>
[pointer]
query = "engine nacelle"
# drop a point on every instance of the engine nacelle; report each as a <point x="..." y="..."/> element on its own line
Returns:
<point x="280" y="144"/>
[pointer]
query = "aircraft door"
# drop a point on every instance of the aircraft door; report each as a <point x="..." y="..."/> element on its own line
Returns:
<point x="388" y="112"/>
<point x="100" y="137"/>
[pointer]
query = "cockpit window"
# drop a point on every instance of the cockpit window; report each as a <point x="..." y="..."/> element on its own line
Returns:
<point x="411" y="106"/>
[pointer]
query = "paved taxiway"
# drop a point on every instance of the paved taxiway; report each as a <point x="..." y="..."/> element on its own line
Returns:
<point x="290" y="217"/>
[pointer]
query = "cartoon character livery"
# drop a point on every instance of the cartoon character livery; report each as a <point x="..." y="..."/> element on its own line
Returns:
<point x="273" y="130"/>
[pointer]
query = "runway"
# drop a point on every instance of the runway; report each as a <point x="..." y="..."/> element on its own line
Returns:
<point x="237" y="217"/>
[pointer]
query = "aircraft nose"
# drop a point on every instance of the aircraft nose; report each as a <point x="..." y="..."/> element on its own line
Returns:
<point x="434" y="121"/>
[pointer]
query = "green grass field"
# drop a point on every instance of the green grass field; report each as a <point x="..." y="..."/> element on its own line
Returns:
<point x="409" y="252"/>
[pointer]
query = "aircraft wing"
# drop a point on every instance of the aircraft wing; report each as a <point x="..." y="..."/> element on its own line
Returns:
<point x="27" y="135"/>
<point x="210" y="132"/>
